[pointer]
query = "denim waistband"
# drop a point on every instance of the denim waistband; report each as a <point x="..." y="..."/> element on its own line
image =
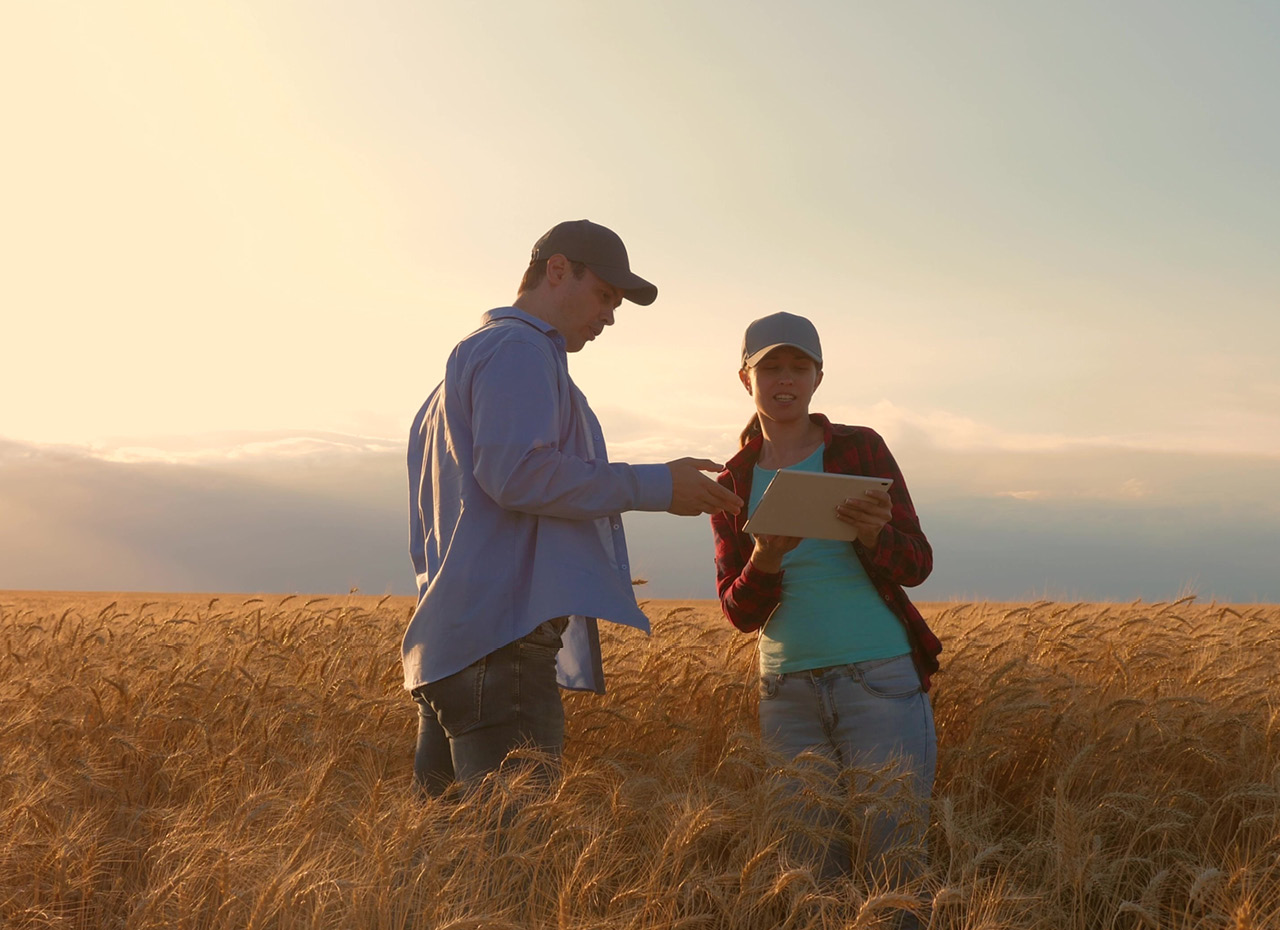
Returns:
<point x="845" y="667"/>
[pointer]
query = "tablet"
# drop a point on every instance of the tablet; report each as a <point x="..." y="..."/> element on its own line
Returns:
<point x="803" y="503"/>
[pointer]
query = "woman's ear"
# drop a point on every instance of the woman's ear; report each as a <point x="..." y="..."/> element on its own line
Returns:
<point x="745" y="377"/>
<point x="817" y="380"/>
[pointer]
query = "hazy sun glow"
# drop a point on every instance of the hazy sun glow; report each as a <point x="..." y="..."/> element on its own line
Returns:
<point x="1019" y="228"/>
<point x="1052" y="222"/>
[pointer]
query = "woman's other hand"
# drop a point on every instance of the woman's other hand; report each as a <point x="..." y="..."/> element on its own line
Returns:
<point x="769" y="550"/>
<point x="868" y="514"/>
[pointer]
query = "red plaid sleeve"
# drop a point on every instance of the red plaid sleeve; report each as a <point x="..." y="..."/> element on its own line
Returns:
<point x="747" y="595"/>
<point x="902" y="555"/>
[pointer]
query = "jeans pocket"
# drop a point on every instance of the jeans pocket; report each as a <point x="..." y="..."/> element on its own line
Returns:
<point x="769" y="686"/>
<point x="892" y="679"/>
<point x="456" y="699"/>
<point x="547" y="635"/>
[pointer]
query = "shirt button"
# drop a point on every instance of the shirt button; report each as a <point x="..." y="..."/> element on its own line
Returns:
<point x="617" y="526"/>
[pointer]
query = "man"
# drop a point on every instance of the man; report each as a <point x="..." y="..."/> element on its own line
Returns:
<point x="515" y="531"/>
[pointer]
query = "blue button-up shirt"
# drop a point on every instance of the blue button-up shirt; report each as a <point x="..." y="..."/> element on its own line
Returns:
<point x="514" y="508"/>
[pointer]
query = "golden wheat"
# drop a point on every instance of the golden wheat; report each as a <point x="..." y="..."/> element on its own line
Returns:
<point x="229" y="762"/>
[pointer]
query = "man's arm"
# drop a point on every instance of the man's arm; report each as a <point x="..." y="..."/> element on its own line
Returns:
<point x="516" y="428"/>
<point x="516" y="425"/>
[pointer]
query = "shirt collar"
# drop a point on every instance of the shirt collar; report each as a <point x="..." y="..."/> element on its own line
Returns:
<point x="515" y="313"/>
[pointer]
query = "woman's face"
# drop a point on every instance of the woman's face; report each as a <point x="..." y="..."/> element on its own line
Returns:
<point x="782" y="384"/>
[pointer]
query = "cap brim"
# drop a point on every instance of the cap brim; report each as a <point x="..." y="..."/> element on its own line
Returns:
<point x="751" y="360"/>
<point x="634" y="288"/>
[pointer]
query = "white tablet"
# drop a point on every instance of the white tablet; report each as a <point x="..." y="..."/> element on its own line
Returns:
<point x="803" y="503"/>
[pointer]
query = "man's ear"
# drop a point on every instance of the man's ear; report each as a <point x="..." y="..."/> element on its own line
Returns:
<point x="557" y="268"/>
<point x="745" y="377"/>
<point x="817" y="380"/>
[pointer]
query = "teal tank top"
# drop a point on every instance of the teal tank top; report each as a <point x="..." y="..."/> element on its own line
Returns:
<point x="830" y="612"/>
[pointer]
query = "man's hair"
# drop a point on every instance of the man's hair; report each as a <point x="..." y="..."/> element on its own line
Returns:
<point x="536" y="271"/>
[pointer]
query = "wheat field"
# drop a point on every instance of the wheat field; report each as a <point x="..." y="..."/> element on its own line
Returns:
<point x="233" y="762"/>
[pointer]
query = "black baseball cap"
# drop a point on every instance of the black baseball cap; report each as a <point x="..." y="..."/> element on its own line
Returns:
<point x="601" y="250"/>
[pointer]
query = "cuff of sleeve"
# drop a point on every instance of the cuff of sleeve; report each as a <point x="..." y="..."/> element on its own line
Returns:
<point x="875" y="556"/>
<point x="764" y="583"/>
<point x="654" y="487"/>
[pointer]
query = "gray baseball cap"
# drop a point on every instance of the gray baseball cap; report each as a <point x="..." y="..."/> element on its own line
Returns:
<point x="780" y="329"/>
<point x="601" y="250"/>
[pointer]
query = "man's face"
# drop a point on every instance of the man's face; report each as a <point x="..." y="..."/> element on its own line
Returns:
<point x="586" y="308"/>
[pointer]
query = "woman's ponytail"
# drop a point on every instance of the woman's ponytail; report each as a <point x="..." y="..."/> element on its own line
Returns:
<point x="751" y="432"/>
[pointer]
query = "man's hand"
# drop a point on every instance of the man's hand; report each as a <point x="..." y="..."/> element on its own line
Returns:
<point x="868" y="514"/>
<point x="693" y="493"/>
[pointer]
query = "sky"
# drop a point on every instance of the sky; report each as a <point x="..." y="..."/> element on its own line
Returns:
<point x="238" y="241"/>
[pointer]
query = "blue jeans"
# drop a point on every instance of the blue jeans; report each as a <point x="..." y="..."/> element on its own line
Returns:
<point x="863" y="715"/>
<point x="469" y="721"/>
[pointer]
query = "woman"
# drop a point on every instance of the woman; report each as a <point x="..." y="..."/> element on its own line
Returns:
<point x="845" y="658"/>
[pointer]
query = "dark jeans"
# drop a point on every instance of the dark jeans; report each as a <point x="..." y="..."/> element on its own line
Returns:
<point x="469" y="721"/>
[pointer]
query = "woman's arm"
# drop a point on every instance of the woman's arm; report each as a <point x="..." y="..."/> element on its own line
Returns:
<point x="748" y="596"/>
<point x="901" y="553"/>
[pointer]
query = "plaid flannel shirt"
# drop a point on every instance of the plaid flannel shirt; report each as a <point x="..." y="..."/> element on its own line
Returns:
<point x="902" y="555"/>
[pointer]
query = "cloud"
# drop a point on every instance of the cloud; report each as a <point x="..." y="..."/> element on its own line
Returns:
<point x="949" y="431"/>
<point x="321" y="523"/>
<point x="323" y="513"/>
<point x="1227" y="431"/>
<point x="639" y="437"/>
<point x="1134" y="489"/>
<point x="213" y="448"/>
<point x="1014" y="549"/>
<point x="983" y="457"/>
